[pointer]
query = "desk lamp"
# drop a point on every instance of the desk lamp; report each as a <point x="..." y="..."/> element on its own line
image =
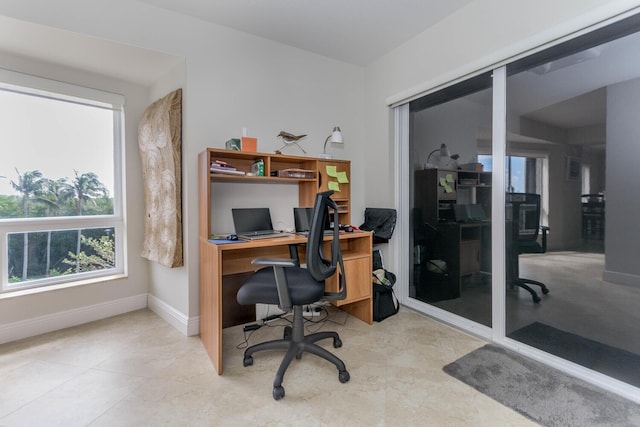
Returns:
<point x="336" y="137"/>
<point x="445" y="156"/>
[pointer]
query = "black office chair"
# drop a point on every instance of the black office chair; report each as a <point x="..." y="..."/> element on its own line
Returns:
<point x="291" y="287"/>
<point x="523" y="230"/>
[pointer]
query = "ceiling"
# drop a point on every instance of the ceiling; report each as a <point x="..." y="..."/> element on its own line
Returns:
<point x="575" y="95"/>
<point x="353" y="31"/>
<point x="588" y="109"/>
<point x="68" y="49"/>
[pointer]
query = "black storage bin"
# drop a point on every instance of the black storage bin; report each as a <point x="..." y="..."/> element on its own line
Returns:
<point x="432" y="286"/>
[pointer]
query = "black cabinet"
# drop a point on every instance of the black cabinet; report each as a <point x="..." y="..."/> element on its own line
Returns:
<point x="464" y="247"/>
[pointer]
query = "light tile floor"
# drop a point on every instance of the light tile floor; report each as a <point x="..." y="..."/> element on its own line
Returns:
<point x="136" y="370"/>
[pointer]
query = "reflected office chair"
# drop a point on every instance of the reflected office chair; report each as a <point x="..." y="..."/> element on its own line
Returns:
<point x="285" y="283"/>
<point x="523" y="230"/>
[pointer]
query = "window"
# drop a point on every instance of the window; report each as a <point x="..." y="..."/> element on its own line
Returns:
<point x="525" y="174"/>
<point x="61" y="214"/>
<point x="586" y="179"/>
<point x="522" y="174"/>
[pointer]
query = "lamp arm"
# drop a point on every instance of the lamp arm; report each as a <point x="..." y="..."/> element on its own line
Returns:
<point x="431" y="153"/>
<point x="324" y="150"/>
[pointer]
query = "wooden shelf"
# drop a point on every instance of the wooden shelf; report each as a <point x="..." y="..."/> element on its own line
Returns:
<point x="307" y="187"/>
<point x="218" y="177"/>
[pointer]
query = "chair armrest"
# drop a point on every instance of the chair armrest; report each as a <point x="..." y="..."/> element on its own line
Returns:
<point x="279" y="265"/>
<point x="275" y="262"/>
<point x="342" y="285"/>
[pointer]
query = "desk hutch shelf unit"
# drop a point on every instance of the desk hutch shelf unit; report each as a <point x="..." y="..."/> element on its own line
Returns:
<point x="465" y="247"/>
<point x="223" y="268"/>
<point x="307" y="187"/>
<point x="436" y="201"/>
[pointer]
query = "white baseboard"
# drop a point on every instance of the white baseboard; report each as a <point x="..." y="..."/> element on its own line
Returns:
<point x="65" y="319"/>
<point x="621" y="278"/>
<point x="188" y="326"/>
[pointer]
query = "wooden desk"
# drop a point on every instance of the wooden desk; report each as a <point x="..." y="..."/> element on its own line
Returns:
<point x="221" y="264"/>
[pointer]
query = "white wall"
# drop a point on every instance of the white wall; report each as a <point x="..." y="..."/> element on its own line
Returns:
<point x="623" y="193"/>
<point x="232" y="80"/>
<point x="135" y="286"/>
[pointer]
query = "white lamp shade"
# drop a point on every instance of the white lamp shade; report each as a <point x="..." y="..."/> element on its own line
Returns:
<point x="336" y="135"/>
<point x="444" y="151"/>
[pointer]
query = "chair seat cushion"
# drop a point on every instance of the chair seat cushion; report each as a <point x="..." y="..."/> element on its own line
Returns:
<point x="261" y="287"/>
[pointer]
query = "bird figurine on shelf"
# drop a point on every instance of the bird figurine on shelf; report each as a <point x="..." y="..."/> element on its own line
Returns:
<point x="288" y="139"/>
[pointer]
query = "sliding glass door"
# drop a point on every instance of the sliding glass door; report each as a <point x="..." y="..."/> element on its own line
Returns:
<point x="579" y="109"/>
<point x="450" y="200"/>
<point x="570" y="234"/>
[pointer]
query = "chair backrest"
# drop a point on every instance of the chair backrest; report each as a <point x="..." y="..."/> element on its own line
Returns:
<point x="525" y="210"/>
<point x="382" y="221"/>
<point x="320" y="267"/>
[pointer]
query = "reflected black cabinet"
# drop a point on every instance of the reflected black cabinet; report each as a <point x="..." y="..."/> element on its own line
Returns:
<point x="464" y="247"/>
<point x="438" y="190"/>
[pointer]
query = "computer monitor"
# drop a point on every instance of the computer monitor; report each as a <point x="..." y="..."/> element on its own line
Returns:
<point x="302" y="218"/>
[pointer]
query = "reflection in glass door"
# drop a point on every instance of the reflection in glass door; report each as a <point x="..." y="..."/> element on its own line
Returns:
<point x="573" y="225"/>
<point x="450" y="199"/>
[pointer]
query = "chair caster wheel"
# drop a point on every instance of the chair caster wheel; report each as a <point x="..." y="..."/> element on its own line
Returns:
<point x="247" y="361"/>
<point x="536" y="299"/>
<point x="278" y="392"/>
<point x="344" y="376"/>
<point x="545" y="291"/>
<point x="337" y="343"/>
<point x="287" y="333"/>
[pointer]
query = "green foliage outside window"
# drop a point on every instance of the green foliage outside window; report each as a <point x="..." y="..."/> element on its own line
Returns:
<point x="34" y="255"/>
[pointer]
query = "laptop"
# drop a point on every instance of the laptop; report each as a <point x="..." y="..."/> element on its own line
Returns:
<point x="470" y="213"/>
<point x="254" y="223"/>
<point x="302" y="218"/>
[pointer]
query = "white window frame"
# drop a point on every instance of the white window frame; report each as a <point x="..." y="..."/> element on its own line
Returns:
<point x="39" y="86"/>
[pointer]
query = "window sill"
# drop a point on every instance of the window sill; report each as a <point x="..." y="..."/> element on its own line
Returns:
<point x="30" y="291"/>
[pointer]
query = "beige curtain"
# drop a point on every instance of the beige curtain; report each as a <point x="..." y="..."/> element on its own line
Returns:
<point x="159" y="141"/>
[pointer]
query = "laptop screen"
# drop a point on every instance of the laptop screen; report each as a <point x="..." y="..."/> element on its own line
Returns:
<point x="249" y="220"/>
<point x="302" y="218"/>
<point x="476" y="212"/>
<point x="469" y="213"/>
